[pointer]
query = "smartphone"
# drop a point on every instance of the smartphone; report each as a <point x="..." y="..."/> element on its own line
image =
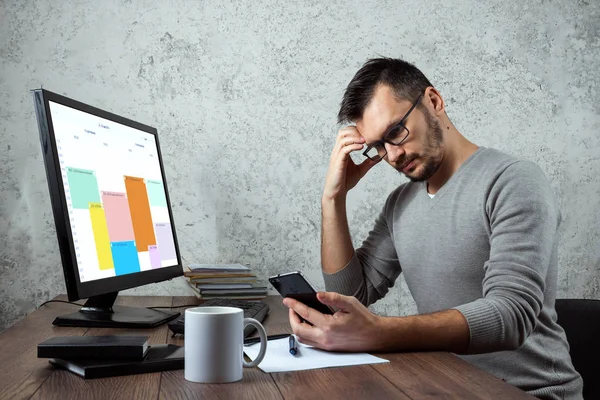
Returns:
<point x="296" y="286"/>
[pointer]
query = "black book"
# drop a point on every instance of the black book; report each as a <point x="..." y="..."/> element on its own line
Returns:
<point x="163" y="357"/>
<point x="94" y="347"/>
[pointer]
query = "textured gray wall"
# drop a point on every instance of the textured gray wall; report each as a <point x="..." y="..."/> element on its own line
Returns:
<point x="244" y="95"/>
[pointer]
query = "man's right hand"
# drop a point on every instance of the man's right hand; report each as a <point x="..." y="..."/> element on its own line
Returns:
<point x="343" y="173"/>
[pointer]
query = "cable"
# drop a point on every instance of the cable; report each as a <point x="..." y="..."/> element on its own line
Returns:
<point x="185" y="305"/>
<point x="60" y="301"/>
<point x="81" y="305"/>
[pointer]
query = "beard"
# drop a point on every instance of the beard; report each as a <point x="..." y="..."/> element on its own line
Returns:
<point x="431" y="156"/>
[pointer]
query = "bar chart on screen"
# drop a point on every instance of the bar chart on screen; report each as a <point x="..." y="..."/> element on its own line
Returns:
<point x="115" y="195"/>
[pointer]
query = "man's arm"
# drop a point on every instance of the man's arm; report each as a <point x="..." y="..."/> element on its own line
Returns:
<point x="354" y="328"/>
<point x="342" y="175"/>
<point x="523" y="219"/>
<point x="336" y="244"/>
<point x="444" y="331"/>
<point x="371" y="270"/>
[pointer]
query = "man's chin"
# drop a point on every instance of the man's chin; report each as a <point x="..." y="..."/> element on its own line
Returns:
<point x="415" y="178"/>
<point x="418" y="174"/>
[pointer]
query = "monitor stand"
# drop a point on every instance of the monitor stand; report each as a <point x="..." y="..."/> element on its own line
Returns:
<point x="99" y="311"/>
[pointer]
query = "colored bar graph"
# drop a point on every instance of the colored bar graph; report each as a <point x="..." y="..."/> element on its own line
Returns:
<point x="154" y="256"/>
<point x="101" y="239"/>
<point x="125" y="257"/>
<point x="141" y="218"/>
<point x="156" y="193"/>
<point x="83" y="187"/>
<point x="118" y="217"/>
<point x="166" y="245"/>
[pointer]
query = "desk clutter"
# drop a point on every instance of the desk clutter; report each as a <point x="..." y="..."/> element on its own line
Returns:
<point x="224" y="281"/>
<point x="103" y="356"/>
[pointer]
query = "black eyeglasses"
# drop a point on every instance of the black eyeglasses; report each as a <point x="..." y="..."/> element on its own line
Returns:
<point x="395" y="136"/>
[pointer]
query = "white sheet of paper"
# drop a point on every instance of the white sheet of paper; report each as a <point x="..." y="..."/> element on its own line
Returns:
<point x="279" y="359"/>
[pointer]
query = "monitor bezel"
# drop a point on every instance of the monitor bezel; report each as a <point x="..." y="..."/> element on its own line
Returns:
<point x="75" y="288"/>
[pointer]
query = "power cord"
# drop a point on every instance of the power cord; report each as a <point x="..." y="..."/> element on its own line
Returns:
<point x="185" y="305"/>
<point x="60" y="301"/>
<point x="81" y="305"/>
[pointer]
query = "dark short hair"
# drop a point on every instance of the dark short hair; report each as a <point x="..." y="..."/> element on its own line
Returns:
<point x="406" y="80"/>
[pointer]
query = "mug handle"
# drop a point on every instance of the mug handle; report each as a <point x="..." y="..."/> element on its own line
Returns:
<point x="263" y="342"/>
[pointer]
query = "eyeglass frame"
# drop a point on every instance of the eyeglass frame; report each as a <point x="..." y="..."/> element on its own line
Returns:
<point x="384" y="140"/>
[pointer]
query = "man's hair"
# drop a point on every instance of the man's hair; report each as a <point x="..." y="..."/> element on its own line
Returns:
<point x="406" y="80"/>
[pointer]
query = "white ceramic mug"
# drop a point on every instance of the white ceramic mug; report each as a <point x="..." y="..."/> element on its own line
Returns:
<point x="214" y="344"/>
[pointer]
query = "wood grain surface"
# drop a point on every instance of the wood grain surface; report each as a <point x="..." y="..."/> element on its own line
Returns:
<point x="407" y="376"/>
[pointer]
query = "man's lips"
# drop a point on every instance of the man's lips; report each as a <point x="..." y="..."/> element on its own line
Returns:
<point x="407" y="166"/>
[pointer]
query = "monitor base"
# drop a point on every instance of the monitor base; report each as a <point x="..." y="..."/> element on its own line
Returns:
<point x="98" y="312"/>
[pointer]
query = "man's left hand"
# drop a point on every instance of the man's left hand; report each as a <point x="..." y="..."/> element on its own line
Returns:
<point x="352" y="328"/>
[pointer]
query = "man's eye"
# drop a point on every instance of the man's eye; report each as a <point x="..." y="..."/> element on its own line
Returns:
<point x="394" y="132"/>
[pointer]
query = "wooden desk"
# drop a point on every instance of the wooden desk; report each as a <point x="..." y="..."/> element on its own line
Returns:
<point x="407" y="376"/>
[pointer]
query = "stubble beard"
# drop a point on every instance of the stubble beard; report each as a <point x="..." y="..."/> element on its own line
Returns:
<point x="432" y="155"/>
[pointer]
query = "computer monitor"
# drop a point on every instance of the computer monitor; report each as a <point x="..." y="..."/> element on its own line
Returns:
<point x="111" y="209"/>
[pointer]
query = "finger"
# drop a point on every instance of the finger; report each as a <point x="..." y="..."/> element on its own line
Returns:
<point x="310" y="314"/>
<point x="344" y="154"/>
<point x="351" y="140"/>
<point x="337" y="300"/>
<point x="348" y="132"/>
<point x="294" y="317"/>
<point x="302" y="329"/>
<point x="346" y="146"/>
<point x="346" y="150"/>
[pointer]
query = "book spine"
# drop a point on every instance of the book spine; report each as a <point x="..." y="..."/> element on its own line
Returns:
<point x="104" y="353"/>
<point x="130" y="369"/>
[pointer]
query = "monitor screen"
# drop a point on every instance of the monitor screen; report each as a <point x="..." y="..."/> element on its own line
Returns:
<point x="115" y="196"/>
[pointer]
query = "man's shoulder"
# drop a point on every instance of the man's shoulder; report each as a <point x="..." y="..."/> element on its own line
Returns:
<point x="495" y="163"/>
<point x="493" y="159"/>
<point x="513" y="179"/>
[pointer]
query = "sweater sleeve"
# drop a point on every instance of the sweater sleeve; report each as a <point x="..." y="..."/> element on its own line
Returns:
<point x="374" y="267"/>
<point x="523" y="221"/>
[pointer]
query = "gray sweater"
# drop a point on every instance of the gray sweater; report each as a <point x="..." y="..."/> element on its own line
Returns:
<point x="486" y="245"/>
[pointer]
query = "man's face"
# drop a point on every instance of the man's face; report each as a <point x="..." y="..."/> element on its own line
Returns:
<point x="421" y="154"/>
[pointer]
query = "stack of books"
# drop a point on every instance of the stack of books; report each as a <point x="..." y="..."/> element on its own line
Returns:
<point x="224" y="281"/>
<point x="104" y="356"/>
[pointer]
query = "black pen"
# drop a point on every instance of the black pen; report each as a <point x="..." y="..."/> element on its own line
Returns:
<point x="293" y="345"/>
<point x="253" y="340"/>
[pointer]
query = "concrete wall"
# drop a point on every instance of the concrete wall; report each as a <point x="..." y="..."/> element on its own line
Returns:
<point x="244" y="95"/>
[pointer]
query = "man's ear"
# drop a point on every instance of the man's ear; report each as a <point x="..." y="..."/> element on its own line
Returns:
<point x="436" y="100"/>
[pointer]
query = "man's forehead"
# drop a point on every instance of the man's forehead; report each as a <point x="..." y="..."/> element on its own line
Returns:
<point x="383" y="109"/>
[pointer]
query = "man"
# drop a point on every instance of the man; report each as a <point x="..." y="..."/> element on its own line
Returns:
<point x="474" y="232"/>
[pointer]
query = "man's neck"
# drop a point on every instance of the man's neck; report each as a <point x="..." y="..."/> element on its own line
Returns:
<point x="457" y="150"/>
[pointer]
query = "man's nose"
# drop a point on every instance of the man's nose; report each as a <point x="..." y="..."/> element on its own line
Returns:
<point x="394" y="152"/>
